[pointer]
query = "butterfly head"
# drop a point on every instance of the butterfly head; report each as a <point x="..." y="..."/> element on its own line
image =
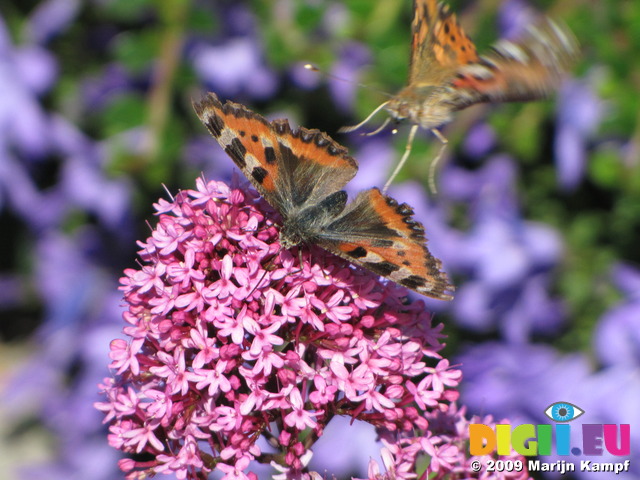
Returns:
<point x="426" y="105"/>
<point x="290" y="236"/>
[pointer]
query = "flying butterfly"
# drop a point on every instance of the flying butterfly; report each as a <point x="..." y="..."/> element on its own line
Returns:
<point x="446" y="74"/>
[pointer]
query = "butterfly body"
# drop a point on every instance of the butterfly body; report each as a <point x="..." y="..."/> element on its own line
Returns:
<point x="302" y="173"/>
<point x="427" y="105"/>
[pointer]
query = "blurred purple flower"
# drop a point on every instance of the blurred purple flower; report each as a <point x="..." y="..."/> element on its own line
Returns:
<point x="514" y="17"/>
<point x="25" y="73"/>
<point x="617" y="336"/>
<point x="303" y="77"/>
<point x="335" y="19"/>
<point x="80" y="301"/>
<point x="580" y="112"/>
<point x="36" y="68"/>
<point x="351" y="58"/>
<point x="83" y="179"/>
<point x="51" y="17"/>
<point x="375" y="156"/>
<point x="519" y="381"/>
<point x="212" y="162"/>
<point x="507" y="260"/>
<point x="346" y="454"/>
<point x="40" y="210"/>
<point x="234" y="68"/>
<point x="12" y="291"/>
<point x="480" y="140"/>
<point x="98" y="90"/>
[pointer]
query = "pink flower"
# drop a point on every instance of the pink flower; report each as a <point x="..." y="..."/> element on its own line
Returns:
<point x="231" y="340"/>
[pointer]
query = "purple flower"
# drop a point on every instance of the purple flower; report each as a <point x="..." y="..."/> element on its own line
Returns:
<point x="507" y="260"/>
<point x="231" y="339"/>
<point x="25" y="73"/>
<point x="515" y="16"/>
<point x="480" y="140"/>
<point x="234" y="68"/>
<point x="497" y="383"/>
<point x="580" y="112"/>
<point x="100" y="89"/>
<point x="378" y="155"/>
<point x="617" y="337"/>
<point x="51" y="17"/>
<point x="352" y="57"/>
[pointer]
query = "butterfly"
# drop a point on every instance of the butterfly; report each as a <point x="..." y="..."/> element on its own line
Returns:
<point x="302" y="173"/>
<point x="446" y="74"/>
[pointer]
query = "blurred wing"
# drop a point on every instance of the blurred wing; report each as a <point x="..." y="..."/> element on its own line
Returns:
<point x="528" y="69"/>
<point x="438" y="46"/>
<point x="289" y="168"/>
<point x="377" y="233"/>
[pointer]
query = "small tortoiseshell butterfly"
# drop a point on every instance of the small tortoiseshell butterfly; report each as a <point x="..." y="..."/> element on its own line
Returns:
<point x="446" y="74"/>
<point x="301" y="173"/>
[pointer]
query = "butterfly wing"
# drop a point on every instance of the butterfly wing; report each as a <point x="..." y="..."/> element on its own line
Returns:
<point x="289" y="168"/>
<point x="438" y="45"/>
<point x="528" y="69"/>
<point x="374" y="231"/>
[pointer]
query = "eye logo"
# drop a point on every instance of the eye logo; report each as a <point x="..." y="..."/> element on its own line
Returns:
<point x="563" y="412"/>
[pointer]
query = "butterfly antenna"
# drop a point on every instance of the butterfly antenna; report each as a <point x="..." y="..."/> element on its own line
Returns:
<point x="355" y="127"/>
<point x="379" y="129"/>
<point x="348" y="129"/>
<point x="313" y="68"/>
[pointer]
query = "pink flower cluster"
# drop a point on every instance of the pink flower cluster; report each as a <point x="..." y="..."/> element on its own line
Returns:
<point x="231" y="340"/>
<point x="444" y="447"/>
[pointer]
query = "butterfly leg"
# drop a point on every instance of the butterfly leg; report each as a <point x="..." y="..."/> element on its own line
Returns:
<point x="407" y="151"/>
<point x="435" y="161"/>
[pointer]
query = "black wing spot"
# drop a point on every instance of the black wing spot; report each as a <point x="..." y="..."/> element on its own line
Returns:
<point x="306" y="136"/>
<point x="242" y="133"/>
<point x="259" y="174"/>
<point x="488" y="64"/>
<point x="406" y="263"/>
<point x="446" y="28"/>
<point x="322" y="141"/>
<point x="333" y="150"/>
<point x="401" y="253"/>
<point x="281" y="127"/>
<point x="254" y="138"/>
<point x="413" y="282"/>
<point x="270" y="155"/>
<point x="357" y="252"/>
<point x="237" y="151"/>
<point x="391" y="202"/>
<point x="215" y="125"/>
<point x="382" y="268"/>
<point x="404" y="209"/>
<point x="453" y="38"/>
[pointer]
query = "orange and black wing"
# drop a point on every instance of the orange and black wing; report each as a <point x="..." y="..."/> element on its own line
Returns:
<point x="381" y="235"/>
<point x="290" y="168"/>
<point x="527" y="69"/>
<point x="438" y="44"/>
